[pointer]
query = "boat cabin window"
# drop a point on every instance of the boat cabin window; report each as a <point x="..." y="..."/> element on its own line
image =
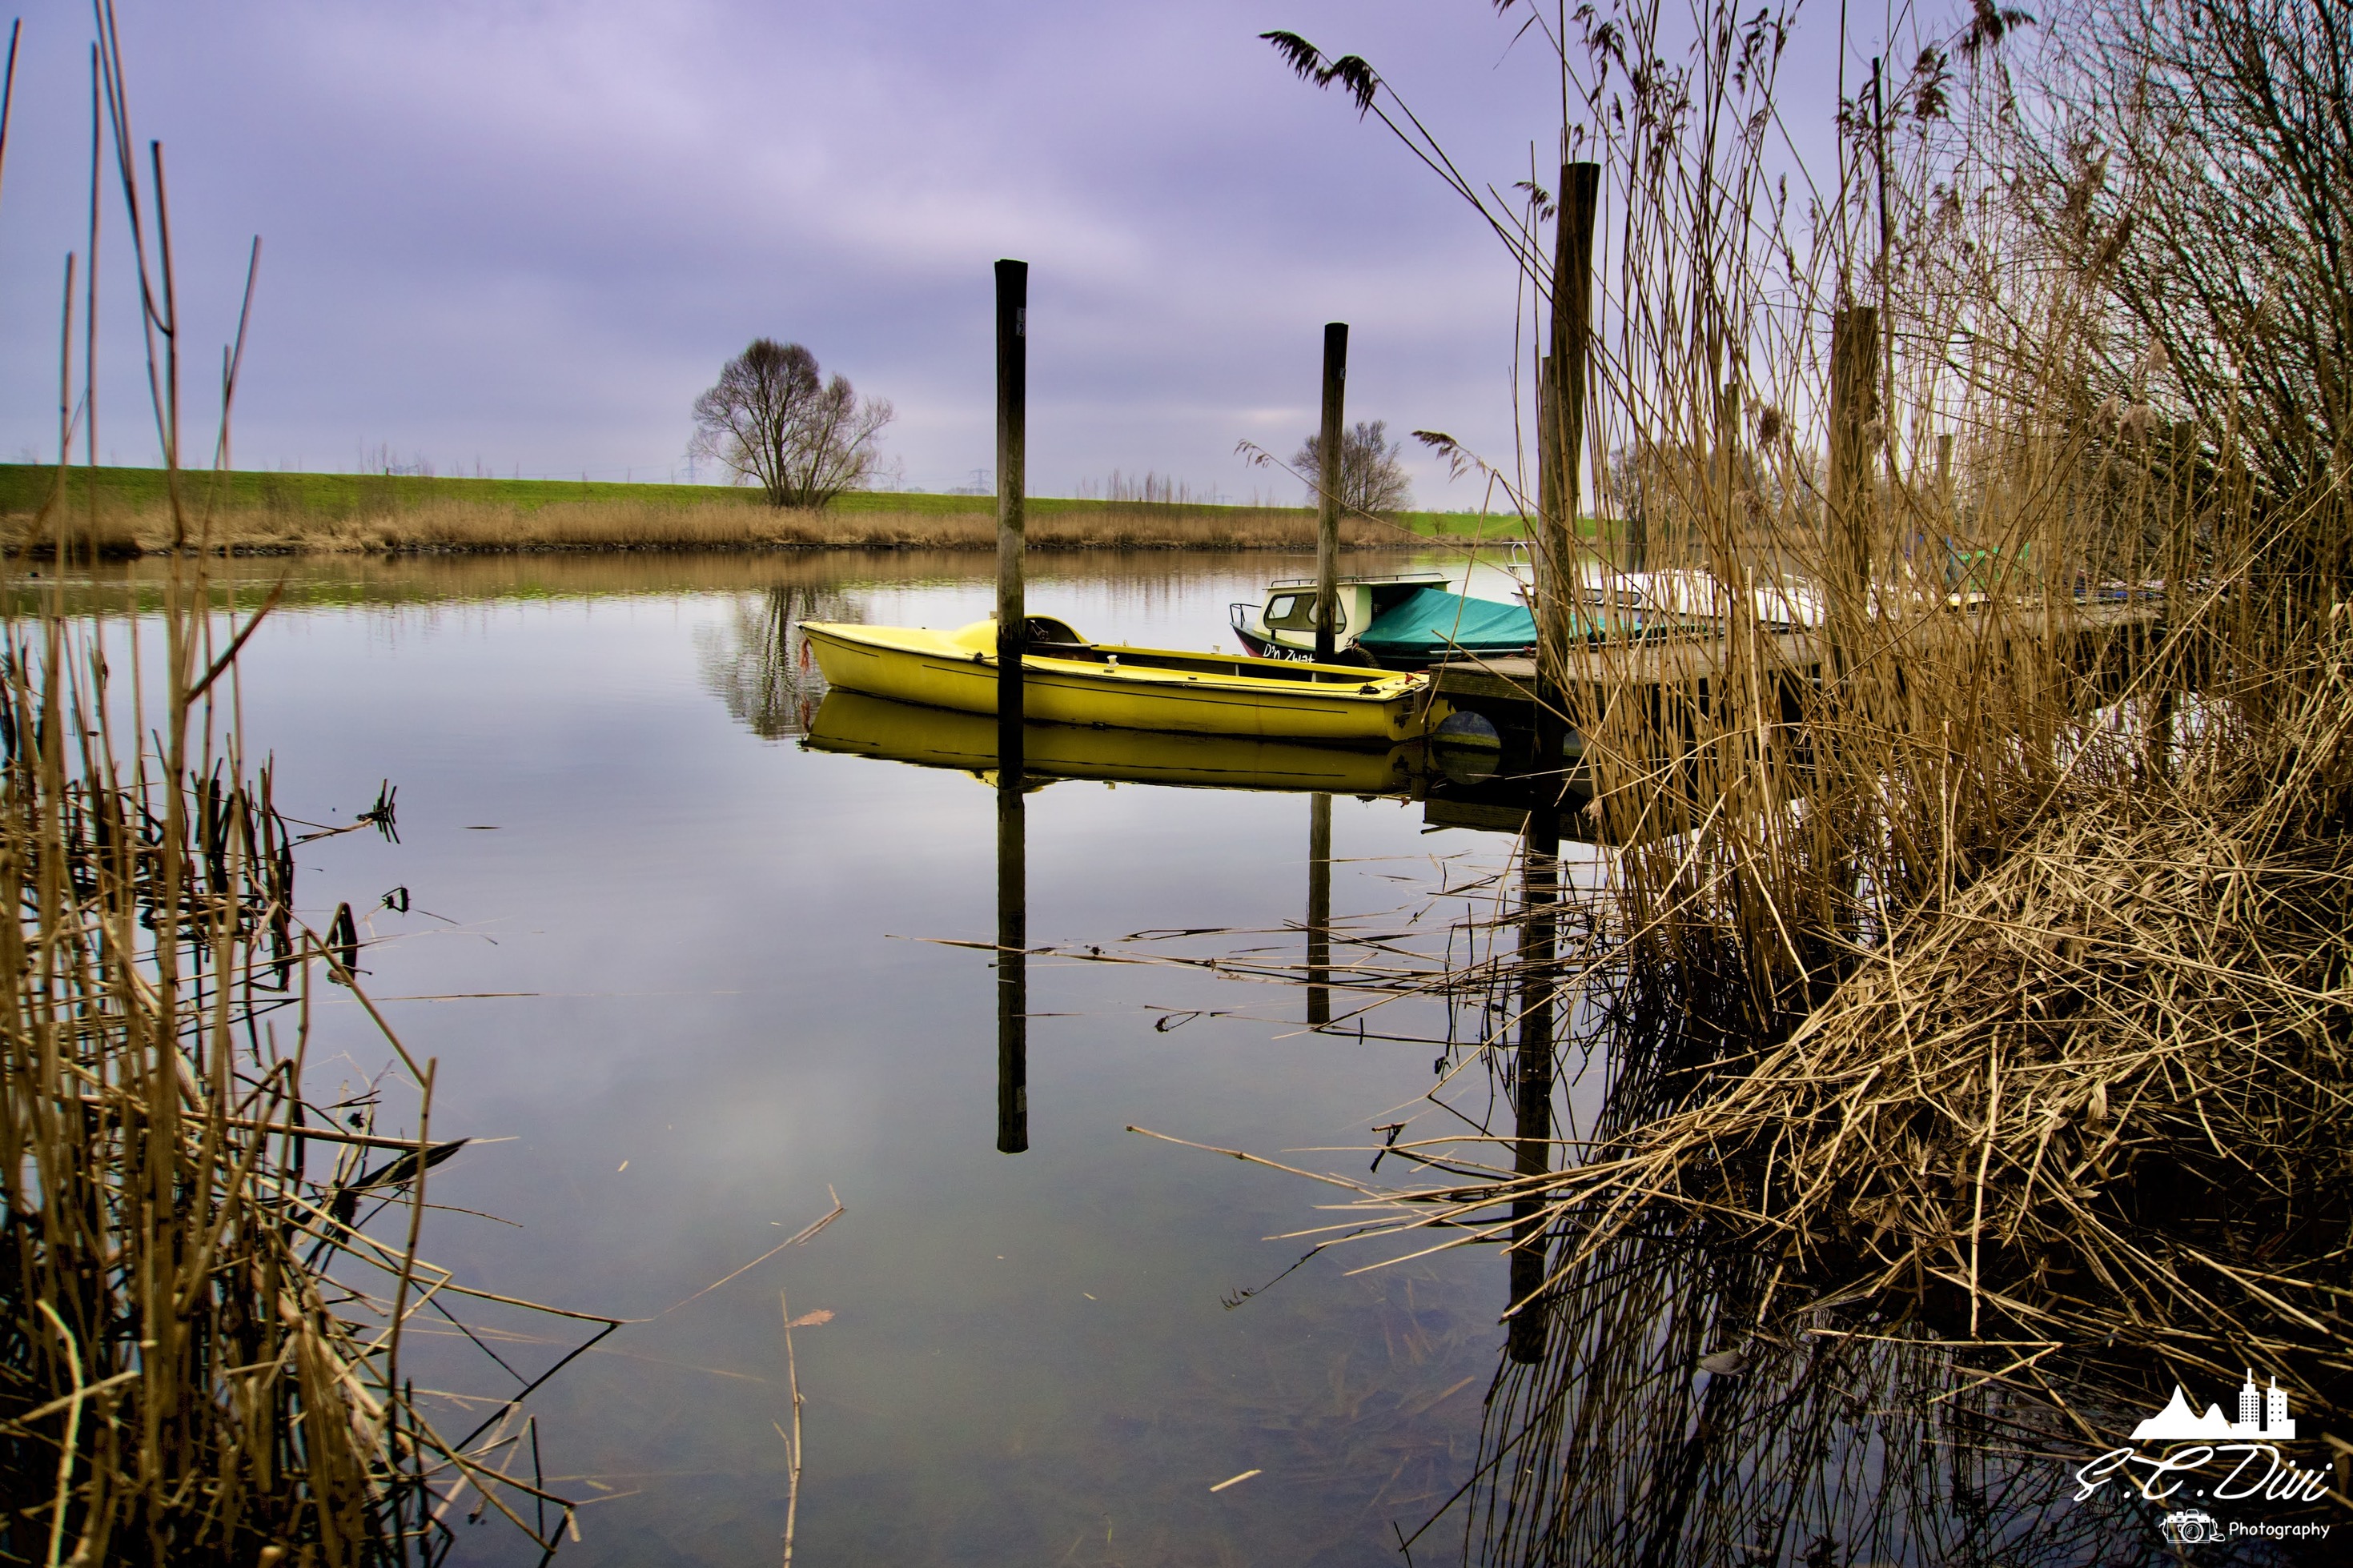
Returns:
<point x="1297" y="611"/>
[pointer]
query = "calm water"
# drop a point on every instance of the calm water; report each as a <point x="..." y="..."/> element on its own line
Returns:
<point x="678" y="961"/>
<point x="685" y="974"/>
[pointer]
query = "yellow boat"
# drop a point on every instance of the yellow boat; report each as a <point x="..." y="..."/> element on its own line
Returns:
<point x="852" y="723"/>
<point x="1068" y="680"/>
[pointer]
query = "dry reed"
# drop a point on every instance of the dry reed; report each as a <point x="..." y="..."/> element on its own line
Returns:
<point x="206" y="1272"/>
<point x="1997" y="913"/>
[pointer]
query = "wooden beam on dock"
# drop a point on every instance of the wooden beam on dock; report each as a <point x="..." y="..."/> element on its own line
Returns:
<point x="1505" y="689"/>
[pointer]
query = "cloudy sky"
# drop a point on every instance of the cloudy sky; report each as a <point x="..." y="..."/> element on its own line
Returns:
<point x="521" y="235"/>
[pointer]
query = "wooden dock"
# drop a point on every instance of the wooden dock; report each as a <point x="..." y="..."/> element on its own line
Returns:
<point x="2098" y="639"/>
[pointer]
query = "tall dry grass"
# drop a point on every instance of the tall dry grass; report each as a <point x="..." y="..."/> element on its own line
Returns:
<point x="205" y="1269"/>
<point x="1993" y="925"/>
<point x="448" y="526"/>
<point x="208" y="1273"/>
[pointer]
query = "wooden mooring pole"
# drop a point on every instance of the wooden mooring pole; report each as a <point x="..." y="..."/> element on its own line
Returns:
<point x="1328" y="487"/>
<point x="1560" y="446"/>
<point x="1012" y="400"/>
<point x="1854" y="408"/>
<point x="1012" y="841"/>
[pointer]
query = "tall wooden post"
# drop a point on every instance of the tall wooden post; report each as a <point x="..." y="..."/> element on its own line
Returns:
<point x="1012" y="841"/>
<point x="1547" y="446"/>
<point x="1560" y="446"/>
<point x="1327" y="485"/>
<point x="1561" y="396"/>
<point x="1854" y="405"/>
<point x="1012" y="437"/>
<point x="1572" y="334"/>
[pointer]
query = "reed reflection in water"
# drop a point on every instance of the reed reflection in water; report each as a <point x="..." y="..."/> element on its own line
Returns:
<point x="1659" y="1426"/>
<point x="1657" y="1404"/>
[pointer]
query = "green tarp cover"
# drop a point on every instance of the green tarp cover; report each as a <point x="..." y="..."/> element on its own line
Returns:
<point x="1432" y="620"/>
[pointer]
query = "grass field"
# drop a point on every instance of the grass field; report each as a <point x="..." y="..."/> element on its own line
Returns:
<point x="296" y="511"/>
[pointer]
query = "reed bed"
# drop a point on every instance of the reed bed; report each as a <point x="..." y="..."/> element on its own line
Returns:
<point x="1840" y="1441"/>
<point x="439" y="526"/>
<point x="209" y="1273"/>
<point x="205" y="1269"/>
<point x="1971" y="972"/>
<point x="2014" y="888"/>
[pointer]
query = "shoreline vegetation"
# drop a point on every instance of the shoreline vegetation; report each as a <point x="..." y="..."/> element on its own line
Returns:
<point x="209" y="1267"/>
<point x="1966" y="987"/>
<point x="128" y="513"/>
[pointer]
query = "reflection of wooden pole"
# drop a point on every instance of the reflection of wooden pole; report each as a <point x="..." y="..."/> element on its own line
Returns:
<point x="1012" y="966"/>
<point x="1319" y="909"/>
<point x="1012" y="437"/>
<point x="1012" y="846"/>
<point x="1531" y="1084"/>
<point x="1327" y="485"/>
<point x="1854" y="405"/>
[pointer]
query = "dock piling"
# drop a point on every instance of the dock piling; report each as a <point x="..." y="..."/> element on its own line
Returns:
<point x="1561" y="443"/>
<point x="1328" y="487"/>
<point x="1012" y="839"/>
<point x="1012" y="436"/>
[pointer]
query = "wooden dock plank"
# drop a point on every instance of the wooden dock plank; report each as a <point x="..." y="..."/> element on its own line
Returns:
<point x="1694" y="660"/>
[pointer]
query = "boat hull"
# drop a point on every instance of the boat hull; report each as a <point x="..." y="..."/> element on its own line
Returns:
<point x="1131" y="689"/>
<point x="860" y="725"/>
<point x="1259" y="646"/>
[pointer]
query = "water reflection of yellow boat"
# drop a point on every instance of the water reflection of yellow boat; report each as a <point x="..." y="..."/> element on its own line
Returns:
<point x="931" y="737"/>
<point x="1069" y="680"/>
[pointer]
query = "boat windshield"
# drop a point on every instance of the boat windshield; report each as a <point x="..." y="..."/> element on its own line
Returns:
<point x="1292" y="612"/>
<point x="1296" y="613"/>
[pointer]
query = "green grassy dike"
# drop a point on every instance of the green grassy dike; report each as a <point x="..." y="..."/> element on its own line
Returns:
<point x="24" y="486"/>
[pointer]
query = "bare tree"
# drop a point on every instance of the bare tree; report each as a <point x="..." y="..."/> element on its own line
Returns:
<point x="1372" y="469"/>
<point x="777" y="423"/>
